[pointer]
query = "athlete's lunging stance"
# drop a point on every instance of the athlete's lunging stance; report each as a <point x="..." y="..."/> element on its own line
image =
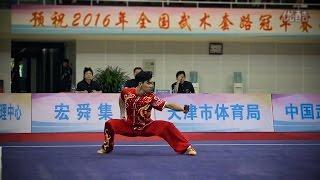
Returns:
<point x="135" y="110"/>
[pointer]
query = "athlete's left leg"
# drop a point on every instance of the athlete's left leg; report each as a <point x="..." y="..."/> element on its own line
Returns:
<point x="169" y="133"/>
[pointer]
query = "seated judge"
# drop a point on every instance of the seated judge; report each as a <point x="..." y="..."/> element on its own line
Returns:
<point x="88" y="85"/>
<point x="181" y="85"/>
<point x="132" y="82"/>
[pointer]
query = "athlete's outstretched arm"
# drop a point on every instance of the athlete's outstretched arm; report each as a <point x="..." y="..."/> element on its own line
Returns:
<point x="176" y="107"/>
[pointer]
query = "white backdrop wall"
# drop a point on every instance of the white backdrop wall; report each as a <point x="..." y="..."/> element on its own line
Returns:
<point x="268" y="67"/>
<point x="265" y="67"/>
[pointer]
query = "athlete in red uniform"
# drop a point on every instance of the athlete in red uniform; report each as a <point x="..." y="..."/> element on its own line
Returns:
<point x="135" y="110"/>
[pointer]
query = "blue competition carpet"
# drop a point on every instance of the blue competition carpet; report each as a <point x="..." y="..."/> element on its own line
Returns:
<point x="215" y="160"/>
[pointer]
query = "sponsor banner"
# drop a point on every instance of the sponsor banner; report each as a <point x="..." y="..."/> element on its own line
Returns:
<point x="296" y="112"/>
<point x="220" y="112"/>
<point x="67" y="112"/>
<point x="39" y="19"/>
<point x="73" y="112"/>
<point x="15" y="113"/>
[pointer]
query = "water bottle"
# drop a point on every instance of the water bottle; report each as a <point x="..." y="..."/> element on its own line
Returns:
<point x="73" y="88"/>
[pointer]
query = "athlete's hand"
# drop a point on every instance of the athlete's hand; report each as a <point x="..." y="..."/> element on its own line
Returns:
<point x="123" y="117"/>
<point x="185" y="109"/>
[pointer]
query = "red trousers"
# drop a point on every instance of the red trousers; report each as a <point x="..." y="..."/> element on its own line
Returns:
<point x="163" y="129"/>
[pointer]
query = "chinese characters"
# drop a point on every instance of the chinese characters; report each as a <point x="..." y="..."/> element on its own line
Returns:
<point x="182" y="22"/>
<point x="10" y="112"/>
<point x="306" y="111"/>
<point x="84" y="111"/>
<point x="219" y="112"/>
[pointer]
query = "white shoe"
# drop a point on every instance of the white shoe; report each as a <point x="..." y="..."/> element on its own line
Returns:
<point x="101" y="151"/>
<point x="191" y="151"/>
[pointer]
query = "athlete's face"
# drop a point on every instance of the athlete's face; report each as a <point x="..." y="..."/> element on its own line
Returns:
<point x="147" y="86"/>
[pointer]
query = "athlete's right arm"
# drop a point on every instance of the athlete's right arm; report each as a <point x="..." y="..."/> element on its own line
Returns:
<point x="176" y="107"/>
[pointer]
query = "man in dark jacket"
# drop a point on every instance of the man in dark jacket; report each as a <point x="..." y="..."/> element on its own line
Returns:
<point x="66" y="76"/>
<point x="88" y="85"/>
<point x="182" y="86"/>
<point x="132" y="82"/>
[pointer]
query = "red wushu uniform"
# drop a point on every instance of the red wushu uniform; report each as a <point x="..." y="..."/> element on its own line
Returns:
<point x="139" y="123"/>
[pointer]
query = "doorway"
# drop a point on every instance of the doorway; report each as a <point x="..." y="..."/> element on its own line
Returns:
<point x="36" y="66"/>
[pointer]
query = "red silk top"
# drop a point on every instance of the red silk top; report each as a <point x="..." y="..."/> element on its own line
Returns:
<point x="139" y="108"/>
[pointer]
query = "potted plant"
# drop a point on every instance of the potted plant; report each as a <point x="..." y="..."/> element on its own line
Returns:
<point x="111" y="79"/>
